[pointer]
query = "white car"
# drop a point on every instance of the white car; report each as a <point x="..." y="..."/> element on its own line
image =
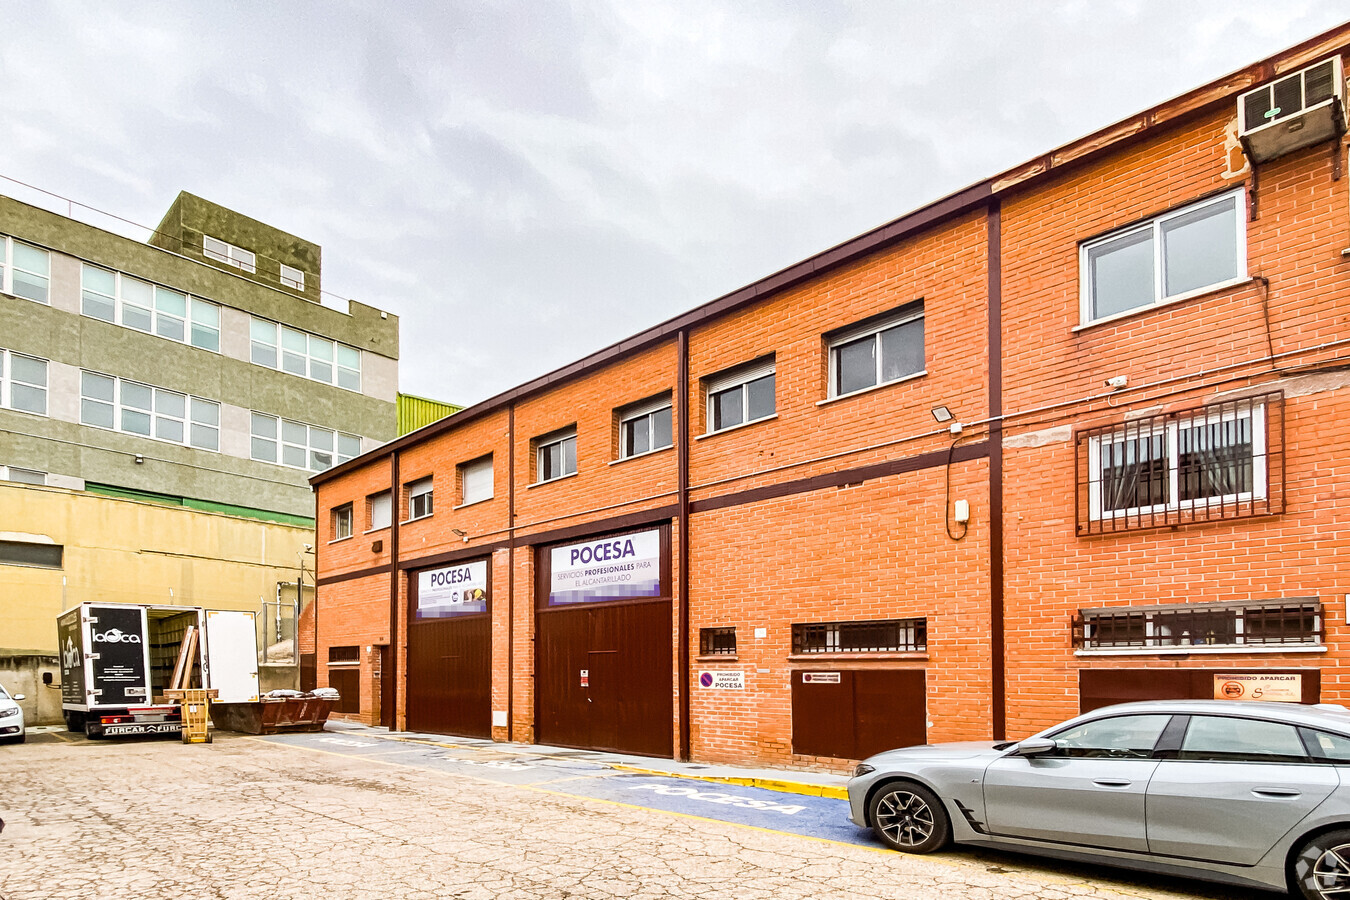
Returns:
<point x="11" y="717"/>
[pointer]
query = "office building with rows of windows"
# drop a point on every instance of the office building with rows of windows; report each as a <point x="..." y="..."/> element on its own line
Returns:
<point x="1073" y="435"/>
<point x="162" y="406"/>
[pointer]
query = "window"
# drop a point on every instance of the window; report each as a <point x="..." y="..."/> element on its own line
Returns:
<point x="1119" y="737"/>
<point x="122" y="300"/>
<point x="25" y="553"/>
<point x="25" y="271"/>
<point x="1230" y="739"/>
<point x="215" y="248"/>
<point x="23" y="476"/>
<point x="292" y="277"/>
<point x="717" y="642"/>
<point x="23" y="382"/>
<point x="344" y="655"/>
<point x="1176" y="254"/>
<point x="379" y="510"/>
<point x="556" y="455"/>
<point x="306" y="355"/>
<point x="1326" y="746"/>
<point x="342" y="522"/>
<point x="890" y="635"/>
<point x="475" y="480"/>
<point x="1212" y="462"/>
<point x="419" y="499"/>
<point x="882" y="351"/>
<point x="741" y="396"/>
<point x="135" y="408"/>
<point x="644" y="427"/>
<point x="1295" y="622"/>
<point x="298" y="445"/>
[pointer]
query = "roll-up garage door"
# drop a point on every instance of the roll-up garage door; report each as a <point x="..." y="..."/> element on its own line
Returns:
<point x="450" y="650"/>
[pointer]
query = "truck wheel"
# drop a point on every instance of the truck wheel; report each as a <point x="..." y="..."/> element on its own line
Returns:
<point x="93" y="731"/>
<point x="74" y="721"/>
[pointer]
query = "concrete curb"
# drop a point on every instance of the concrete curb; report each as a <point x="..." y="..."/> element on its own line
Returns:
<point x="770" y="784"/>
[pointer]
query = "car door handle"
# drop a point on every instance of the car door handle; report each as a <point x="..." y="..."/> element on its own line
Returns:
<point x="1112" y="782"/>
<point x="1281" y="793"/>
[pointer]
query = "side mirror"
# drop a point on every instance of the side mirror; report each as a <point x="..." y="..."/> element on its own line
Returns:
<point x="1036" y="746"/>
<point x="19" y="697"/>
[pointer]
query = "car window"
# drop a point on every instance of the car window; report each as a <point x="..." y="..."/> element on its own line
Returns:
<point x="1119" y="737"/>
<point x="1324" y="745"/>
<point x="1230" y="739"/>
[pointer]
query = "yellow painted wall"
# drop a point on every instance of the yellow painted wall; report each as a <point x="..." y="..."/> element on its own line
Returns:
<point x="127" y="551"/>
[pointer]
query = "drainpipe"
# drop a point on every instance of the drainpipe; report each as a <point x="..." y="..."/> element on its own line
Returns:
<point x="511" y="573"/>
<point x="683" y="463"/>
<point x="395" y="509"/>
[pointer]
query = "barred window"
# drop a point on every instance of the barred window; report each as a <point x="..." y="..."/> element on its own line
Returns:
<point x="884" y="636"/>
<point x="1221" y="461"/>
<point x="344" y="654"/>
<point x="717" y="642"/>
<point x="1297" y="621"/>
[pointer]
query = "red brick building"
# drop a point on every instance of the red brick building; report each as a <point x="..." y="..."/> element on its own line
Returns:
<point x="1073" y="435"/>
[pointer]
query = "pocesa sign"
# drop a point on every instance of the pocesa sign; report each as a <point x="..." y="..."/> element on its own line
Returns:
<point x="613" y="568"/>
<point x="459" y="590"/>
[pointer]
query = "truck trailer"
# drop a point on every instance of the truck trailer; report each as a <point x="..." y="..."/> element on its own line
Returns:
<point x="117" y="660"/>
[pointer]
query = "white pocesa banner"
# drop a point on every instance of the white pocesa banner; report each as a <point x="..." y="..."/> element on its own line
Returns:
<point x="452" y="591"/>
<point x="614" y="568"/>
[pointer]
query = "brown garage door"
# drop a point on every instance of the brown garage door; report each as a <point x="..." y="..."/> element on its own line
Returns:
<point x="450" y="652"/>
<point x="1103" y="687"/>
<point x="853" y="713"/>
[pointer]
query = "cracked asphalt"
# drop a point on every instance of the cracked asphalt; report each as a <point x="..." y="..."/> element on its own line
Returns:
<point x="245" y="818"/>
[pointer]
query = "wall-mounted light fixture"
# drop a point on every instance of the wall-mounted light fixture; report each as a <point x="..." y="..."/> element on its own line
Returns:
<point x="463" y="534"/>
<point x="140" y="460"/>
<point x="941" y="414"/>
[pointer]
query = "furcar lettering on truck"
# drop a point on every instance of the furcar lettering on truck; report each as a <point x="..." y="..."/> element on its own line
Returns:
<point x="602" y="552"/>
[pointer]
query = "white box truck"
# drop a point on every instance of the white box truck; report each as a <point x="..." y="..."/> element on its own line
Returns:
<point x="118" y="658"/>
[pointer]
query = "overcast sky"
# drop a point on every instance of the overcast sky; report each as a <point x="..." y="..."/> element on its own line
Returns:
<point x="526" y="182"/>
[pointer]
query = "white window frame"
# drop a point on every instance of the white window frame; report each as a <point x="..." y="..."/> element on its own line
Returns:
<point x="848" y="337"/>
<point x="645" y="410"/>
<point x="224" y="251"/>
<point x="280" y="442"/>
<point x="196" y="419"/>
<point x="473" y="471"/>
<point x="559" y="439"/>
<point x="379" y="511"/>
<point x="343" y="522"/>
<point x="7" y="474"/>
<point x="1171" y="431"/>
<point x="292" y="277"/>
<point x="1154" y="227"/>
<point x="421" y="499"/>
<point x="198" y="316"/>
<point x="268" y="339"/>
<point x="741" y="377"/>
<point x="8" y="267"/>
<point x="8" y="381"/>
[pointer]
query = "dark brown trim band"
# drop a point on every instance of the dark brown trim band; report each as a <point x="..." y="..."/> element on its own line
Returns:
<point x="998" y="701"/>
<point x="686" y="685"/>
<point x="395" y="507"/>
<point x="351" y="576"/>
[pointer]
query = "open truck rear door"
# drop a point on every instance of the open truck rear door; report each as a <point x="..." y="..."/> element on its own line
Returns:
<point x="231" y="657"/>
<point x="116" y="656"/>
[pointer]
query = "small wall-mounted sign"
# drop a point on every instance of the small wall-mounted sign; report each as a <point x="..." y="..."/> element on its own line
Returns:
<point x="1251" y="686"/>
<point x="585" y="677"/>
<point x="820" y="678"/>
<point x="722" y="679"/>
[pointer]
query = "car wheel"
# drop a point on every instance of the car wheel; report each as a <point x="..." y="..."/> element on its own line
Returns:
<point x="909" y="818"/>
<point x="1321" y="868"/>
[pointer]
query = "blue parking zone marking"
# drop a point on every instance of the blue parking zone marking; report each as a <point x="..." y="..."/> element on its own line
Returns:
<point x="810" y="816"/>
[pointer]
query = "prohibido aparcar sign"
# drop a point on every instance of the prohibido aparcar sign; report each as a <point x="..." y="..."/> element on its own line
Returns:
<point x="612" y="568"/>
<point x="452" y="591"/>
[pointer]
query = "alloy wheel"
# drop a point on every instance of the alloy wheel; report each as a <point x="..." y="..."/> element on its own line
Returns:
<point x="908" y="820"/>
<point x="1331" y="872"/>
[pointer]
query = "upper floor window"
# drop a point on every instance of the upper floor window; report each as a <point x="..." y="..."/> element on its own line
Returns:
<point x="419" y="498"/>
<point x="556" y="455"/>
<point x="379" y="508"/>
<point x="307" y="355"/>
<point x="644" y="427"/>
<point x="298" y="445"/>
<point x="342" y="522"/>
<point x="1171" y="256"/>
<point x="1257" y="623"/>
<point x="475" y="480"/>
<point x="23" y="382"/>
<point x="881" y="636"/>
<point x="135" y="408"/>
<point x="23" y="476"/>
<point x="219" y="250"/>
<point x="25" y="270"/>
<point x="292" y="277"/>
<point x="743" y="395"/>
<point x="127" y="301"/>
<point x="876" y="352"/>
<point x="1211" y="462"/>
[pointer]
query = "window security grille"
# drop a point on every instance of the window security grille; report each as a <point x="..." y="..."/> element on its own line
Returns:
<point x="344" y="654"/>
<point x="1297" y="621"/>
<point x="1222" y="461"/>
<point x="717" y="642"/>
<point x="885" y="636"/>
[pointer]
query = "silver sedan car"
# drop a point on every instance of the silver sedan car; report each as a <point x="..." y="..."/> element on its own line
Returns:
<point x="1253" y="794"/>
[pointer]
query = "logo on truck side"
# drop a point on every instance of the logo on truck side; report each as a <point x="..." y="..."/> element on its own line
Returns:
<point x="70" y="657"/>
<point x="117" y="636"/>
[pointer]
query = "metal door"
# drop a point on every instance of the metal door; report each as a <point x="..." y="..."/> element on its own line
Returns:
<point x="854" y="713"/>
<point x="231" y="653"/>
<point x="449" y="684"/>
<point x="117" y="657"/>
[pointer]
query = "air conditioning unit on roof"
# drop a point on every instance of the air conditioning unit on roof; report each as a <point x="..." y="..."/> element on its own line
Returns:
<point x="1296" y="111"/>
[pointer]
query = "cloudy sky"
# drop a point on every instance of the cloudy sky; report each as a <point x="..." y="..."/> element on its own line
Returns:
<point x="526" y="181"/>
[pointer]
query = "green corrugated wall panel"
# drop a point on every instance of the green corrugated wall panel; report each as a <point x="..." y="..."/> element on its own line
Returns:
<point x="415" y="412"/>
<point x="246" y="512"/>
